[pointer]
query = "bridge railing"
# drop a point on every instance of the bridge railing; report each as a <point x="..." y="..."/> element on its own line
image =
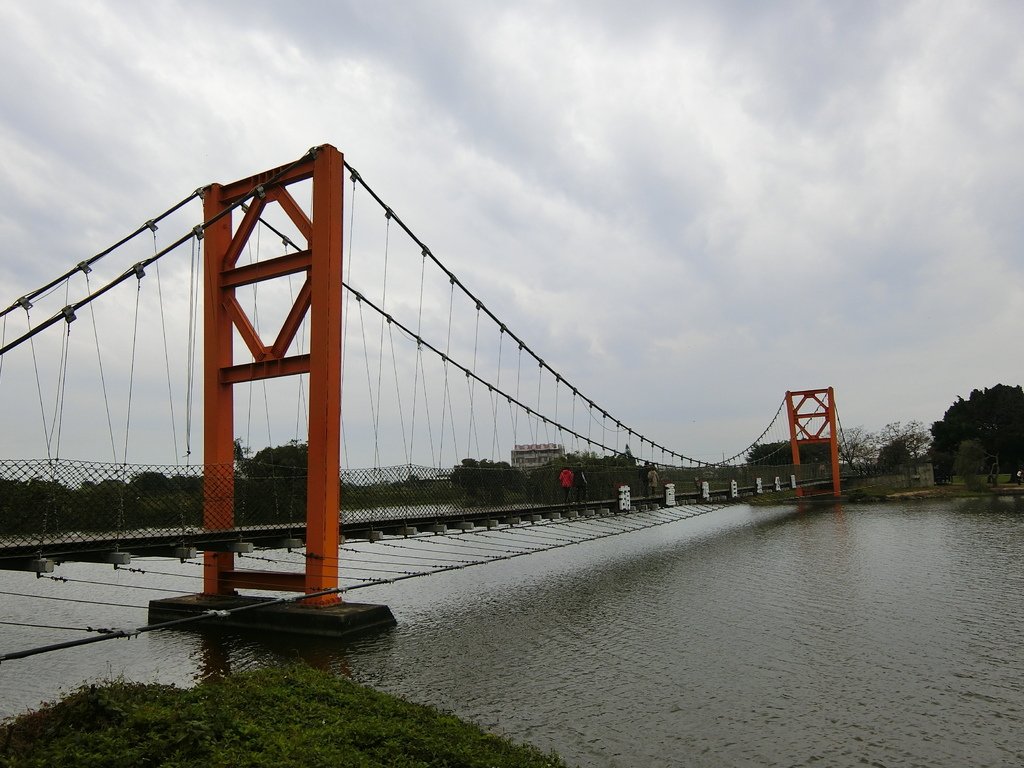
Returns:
<point x="76" y="501"/>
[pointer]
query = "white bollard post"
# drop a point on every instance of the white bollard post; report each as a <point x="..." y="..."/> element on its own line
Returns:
<point x="778" y="483"/>
<point x="705" y="490"/>
<point x="734" y="489"/>
<point x="670" y="494"/>
<point x="792" y="481"/>
<point x="760" y="486"/>
<point x="625" y="502"/>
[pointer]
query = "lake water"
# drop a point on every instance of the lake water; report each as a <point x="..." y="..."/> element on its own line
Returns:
<point x="837" y="636"/>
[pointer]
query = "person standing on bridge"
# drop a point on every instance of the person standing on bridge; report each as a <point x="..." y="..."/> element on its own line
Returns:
<point x="579" y="483"/>
<point x="643" y="471"/>
<point x="565" y="480"/>
<point x="652" y="480"/>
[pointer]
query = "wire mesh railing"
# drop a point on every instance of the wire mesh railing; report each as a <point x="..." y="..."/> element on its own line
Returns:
<point x="44" y="501"/>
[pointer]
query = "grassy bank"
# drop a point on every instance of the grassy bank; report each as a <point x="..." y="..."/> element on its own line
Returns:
<point x="294" y="716"/>
<point x="954" y="490"/>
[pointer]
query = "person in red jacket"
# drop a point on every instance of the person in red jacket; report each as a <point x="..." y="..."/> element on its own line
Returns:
<point x="565" y="480"/>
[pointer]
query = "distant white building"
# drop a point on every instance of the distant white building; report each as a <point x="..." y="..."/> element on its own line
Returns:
<point x="536" y="455"/>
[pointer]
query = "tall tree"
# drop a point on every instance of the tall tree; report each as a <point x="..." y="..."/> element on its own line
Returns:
<point x="993" y="416"/>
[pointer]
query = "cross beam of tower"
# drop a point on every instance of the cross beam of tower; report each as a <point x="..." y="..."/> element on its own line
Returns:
<point x="320" y="300"/>
<point x="812" y="419"/>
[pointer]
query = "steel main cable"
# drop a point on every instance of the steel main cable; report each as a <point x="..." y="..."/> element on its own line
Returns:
<point x="421" y="342"/>
<point x="138" y="269"/>
<point x="84" y="266"/>
<point x="390" y="216"/>
<point x="357" y="177"/>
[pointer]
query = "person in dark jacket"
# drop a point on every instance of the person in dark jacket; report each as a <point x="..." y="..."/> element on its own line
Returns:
<point x="579" y="484"/>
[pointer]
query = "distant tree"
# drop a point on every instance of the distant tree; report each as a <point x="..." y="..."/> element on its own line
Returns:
<point x="970" y="463"/>
<point x="900" y="444"/>
<point x="780" y="454"/>
<point x="858" y="448"/>
<point x="486" y="482"/>
<point x="993" y="416"/>
<point x="270" y="485"/>
<point x="771" y="454"/>
<point x="152" y="482"/>
<point x="593" y="459"/>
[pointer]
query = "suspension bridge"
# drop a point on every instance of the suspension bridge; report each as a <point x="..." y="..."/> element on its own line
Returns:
<point x="278" y="295"/>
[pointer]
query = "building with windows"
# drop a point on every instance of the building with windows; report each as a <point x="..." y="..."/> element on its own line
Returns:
<point x="536" y="455"/>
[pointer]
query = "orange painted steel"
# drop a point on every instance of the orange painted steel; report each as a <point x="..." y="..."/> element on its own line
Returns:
<point x="320" y="300"/>
<point x="812" y="419"/>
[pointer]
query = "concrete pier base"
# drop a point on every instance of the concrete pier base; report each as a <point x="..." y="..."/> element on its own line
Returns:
<point x="338" y="620"/>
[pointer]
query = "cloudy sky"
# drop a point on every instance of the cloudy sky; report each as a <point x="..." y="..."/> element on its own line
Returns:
<point x="687" y="208"/>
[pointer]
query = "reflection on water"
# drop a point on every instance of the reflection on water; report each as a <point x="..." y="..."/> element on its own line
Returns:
<point x="887" y="635"/>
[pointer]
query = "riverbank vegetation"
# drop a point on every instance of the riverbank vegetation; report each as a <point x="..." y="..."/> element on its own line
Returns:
<point x="280" y="717"/>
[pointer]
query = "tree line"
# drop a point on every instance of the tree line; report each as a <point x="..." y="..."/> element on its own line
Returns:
<point x="977" y="437"/>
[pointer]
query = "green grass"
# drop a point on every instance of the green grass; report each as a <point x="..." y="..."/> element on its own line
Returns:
<point x="292" y="716"/>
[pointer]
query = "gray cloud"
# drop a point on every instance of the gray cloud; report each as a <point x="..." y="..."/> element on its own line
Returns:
<point x="690" y="208"/>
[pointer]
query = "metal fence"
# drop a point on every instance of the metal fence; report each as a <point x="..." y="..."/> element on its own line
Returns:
<point x="66" y="500"/>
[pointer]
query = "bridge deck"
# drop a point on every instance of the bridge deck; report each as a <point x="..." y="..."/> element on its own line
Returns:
<point x="38" y="553"/>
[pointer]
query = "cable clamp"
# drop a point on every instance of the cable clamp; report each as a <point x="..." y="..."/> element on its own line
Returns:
<point x="69" y="314"/>
<point x="84" y="267"/>
<point x="197" y="230"/>
<point x="354" y="175"/>
<point x="138" y="270"/>
<point x="25" y="303"/>
<point x="313" y="152"/>
<point x="261" y="193"/>
<point x="388" y="213"/>
<point x="201" y="192"/>
<point x="152" y="225"/>
<point x="217" y="614"/>
<point x="126" y="632"/>
<point x="425" y="252"/>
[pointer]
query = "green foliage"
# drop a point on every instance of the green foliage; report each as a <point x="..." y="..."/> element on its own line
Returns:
<point x="295" y="716"/>
<point x="780" y="454"/>
<point x="993" y="416"/>
<point x="970" y="462"/>
<point x="900" y="444"/>
<point x="487" y="482"/>
<point x="771" y="454"/>
<point x="593" y="459"/>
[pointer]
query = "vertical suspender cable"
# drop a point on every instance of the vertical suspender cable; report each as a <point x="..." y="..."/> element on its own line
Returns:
<point x="190" y="352"/>
<point x="39" y="386"/>
<point x="167" y="358"/>
<point x="58" y="395"/>
<point x="471" y="382"/>
<point x="58" y="415"/>
<point x="494" y="397"/>
<point x="3" y="340"/>
<point x="445" y="394"/>
<point x="131" y="369"/>
<point x="369" y="387"/>
<point x="103" y="380"/>
<point x="344" y="317"/>
<point x="383" y="308"/>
